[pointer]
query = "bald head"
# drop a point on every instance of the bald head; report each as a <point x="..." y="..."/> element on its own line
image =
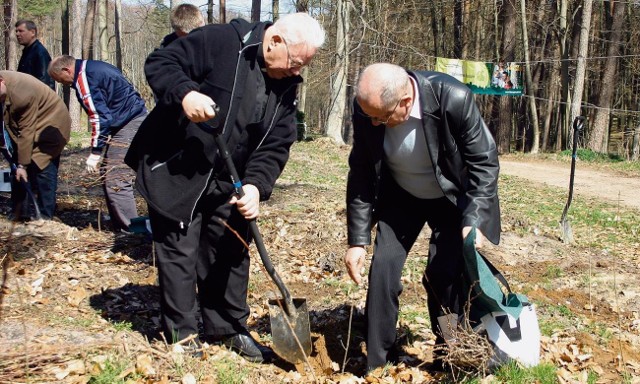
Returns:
<point x="382" y="84"/>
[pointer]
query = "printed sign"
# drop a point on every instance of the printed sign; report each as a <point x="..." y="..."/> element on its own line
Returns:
<point x="502" y="79"/>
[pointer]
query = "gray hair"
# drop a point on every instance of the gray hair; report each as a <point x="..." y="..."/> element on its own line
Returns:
<point x="185" y="18"/>
<point x="385" y="80"/>
<point x="64" y="61"/>
<point x="299" y="28"/>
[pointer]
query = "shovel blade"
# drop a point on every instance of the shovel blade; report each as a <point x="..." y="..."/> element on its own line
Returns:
<point x="291" y="333"/>
<point x="567" y="232"/>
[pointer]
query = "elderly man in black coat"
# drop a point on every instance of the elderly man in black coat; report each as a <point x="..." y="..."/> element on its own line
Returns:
<point x="251" y="72"/>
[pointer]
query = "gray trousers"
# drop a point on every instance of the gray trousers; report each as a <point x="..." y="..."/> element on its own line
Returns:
<point x="118" y="178"/>
<point x="401" y="218"/>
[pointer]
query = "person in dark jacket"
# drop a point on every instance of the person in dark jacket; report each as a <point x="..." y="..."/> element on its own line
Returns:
<point x="421" y="154"/>
<point x="115" y="111"/>
<point x="251" y="72"/>
<point x="36" y="127"/>
<point x="35" y="58"/>
<point x="184" y="19"/>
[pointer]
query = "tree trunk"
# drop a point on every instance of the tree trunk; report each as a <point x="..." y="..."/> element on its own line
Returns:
<point x="600" y="124"/>
<point x="275" y="9"/>
<point x="255" y="10"/>
<point x="103" y="37"/>
<point x="582" y="64"/>
<point x="10" y="51"/>
<point x="561" y="139"/>
<point x="635" y="145"/>
<point x="335" y="122"/>
<point x="75" y="48"/>
<point x="210" y="12"/>
<point x="118" y="31"/>
<point x="223" y="11"/>
<point x="535" y="145"/>
<point x="458" y="20"/>
<point x="87" y="35"/>
<point x="505" y="109"/>
<point x="301" y="6"/>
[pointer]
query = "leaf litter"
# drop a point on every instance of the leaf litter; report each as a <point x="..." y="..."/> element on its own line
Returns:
<point x="78" y="300"/>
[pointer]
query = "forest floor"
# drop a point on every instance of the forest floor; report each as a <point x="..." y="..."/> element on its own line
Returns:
<point x="80" y="303"/>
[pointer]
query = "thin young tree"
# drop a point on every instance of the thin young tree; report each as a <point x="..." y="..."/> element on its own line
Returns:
<point x="88" y="34"/>
<point x="338" y="102"/>
<point x="103" y="37"/>
<point x="118" y="32"/>
<point x="581" y="67"/>
<point x="75" y="49"/>
<point x="508" y="48"/>
<point x="10" y="52"/>
<point x="255" y="10"/>
<point x="530" y="88"/>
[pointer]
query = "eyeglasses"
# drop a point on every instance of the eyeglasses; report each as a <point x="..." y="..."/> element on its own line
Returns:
<point x="293" y="64"/>
<point x="385" y="119"/>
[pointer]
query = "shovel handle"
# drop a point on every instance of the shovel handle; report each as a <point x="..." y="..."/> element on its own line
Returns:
<point x="578" y="124"/>
<point x="253" y="226"/>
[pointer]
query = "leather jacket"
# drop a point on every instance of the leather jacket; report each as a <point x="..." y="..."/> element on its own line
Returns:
<point x="461" y="148"/>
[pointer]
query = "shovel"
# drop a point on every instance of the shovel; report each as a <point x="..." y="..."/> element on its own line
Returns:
<point x="567" y="233"/>
<point x="289" y="317"/>
<point x="25" y="185"/>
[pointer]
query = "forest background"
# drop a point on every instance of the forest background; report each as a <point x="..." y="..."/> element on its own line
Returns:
<point x="580" y="57"/>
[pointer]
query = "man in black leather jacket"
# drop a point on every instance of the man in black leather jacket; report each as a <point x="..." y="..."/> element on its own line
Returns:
<point x="35" y="58"/>
<point x="421" y="154"/>
<point x="251" y="72"/>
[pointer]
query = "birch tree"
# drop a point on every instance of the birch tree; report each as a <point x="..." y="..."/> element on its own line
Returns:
<point x="338" y="102"/>
<point x="530" y="89"/>
<point x="582" y="63"/>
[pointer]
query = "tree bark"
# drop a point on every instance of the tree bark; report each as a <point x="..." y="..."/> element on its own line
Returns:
<point x="275" y="9"/>
<point x="505" y="108"/>
<point x="75" y="49"/>
<point x="581" y="68"/>
<point x="561" y="139"/>
<point x="118" y="31"/>
<point x="458" y="19"/>
<point x="89" y="27"/>
<point x="10" y="51"/>
<point x="255" y="10"/>
<point x="600" y="126"/>
<point x="335" y="122"/>
<point x="223" y="11"/>
<point x="210" y="12"/>
<point x="530" y="89"/>
<point x="103" y="36"/>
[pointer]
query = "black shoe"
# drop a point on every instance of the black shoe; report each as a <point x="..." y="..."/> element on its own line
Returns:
<point x="246" y="346"/>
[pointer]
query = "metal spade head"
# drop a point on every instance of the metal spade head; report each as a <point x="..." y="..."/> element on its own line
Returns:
<point x="290" y="332"/>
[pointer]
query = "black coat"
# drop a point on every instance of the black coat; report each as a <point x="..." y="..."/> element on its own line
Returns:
<point x="175" y="159"/>
<point x="35" y="61"/>
<point x="461" y="148"/>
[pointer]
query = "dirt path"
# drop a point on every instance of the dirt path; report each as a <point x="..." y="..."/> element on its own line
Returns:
<point x="587" y="182"/>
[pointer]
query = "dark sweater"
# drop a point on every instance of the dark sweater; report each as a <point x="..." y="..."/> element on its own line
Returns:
<point x="175" y="159"/>
<point x="35" y="61"/>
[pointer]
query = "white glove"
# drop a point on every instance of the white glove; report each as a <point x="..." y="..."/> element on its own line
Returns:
<point x="93" y="163"/>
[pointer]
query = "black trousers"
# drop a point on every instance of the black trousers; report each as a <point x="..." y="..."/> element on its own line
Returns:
<point x="401" y="218"/>
<point x="43" y="183"/>
<point x="208" y="257"/>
